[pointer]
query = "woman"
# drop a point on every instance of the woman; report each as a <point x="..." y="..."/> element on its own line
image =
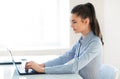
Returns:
<point x="87" y="51"/>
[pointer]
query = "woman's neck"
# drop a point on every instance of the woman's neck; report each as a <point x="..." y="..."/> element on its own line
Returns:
<point x="85" y="33"/>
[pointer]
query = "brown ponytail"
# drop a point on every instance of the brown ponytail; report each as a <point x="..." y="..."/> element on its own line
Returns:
<point x="87" y="11"/>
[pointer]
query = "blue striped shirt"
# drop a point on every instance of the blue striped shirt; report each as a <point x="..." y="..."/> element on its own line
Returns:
<point x="86" y="55"/>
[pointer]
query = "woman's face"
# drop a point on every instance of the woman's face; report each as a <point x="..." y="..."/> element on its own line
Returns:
<point x="78" y="24"/>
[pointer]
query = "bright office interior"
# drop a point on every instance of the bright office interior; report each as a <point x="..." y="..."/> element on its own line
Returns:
<point x="34" y="27"/>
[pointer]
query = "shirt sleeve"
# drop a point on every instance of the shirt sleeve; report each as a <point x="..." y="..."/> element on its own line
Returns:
<point x="93" y="49"/>
<point x="63" y="58"/>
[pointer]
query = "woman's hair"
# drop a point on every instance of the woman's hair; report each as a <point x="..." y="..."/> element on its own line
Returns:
<point x="87" y="11"/>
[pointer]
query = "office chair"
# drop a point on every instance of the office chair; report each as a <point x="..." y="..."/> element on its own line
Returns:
<point x="109" y="72"/>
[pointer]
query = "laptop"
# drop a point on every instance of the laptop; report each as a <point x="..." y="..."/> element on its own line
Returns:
<point x="6" y="60"/>
<point x="20" y="69"/>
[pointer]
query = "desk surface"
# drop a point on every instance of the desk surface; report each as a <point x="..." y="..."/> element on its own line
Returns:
<point x="9" y="72"/>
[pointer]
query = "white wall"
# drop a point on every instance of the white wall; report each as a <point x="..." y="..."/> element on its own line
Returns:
<point x="112" y="32"/>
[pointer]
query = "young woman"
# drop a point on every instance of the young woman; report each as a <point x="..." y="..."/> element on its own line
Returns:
<point x="86" y="53"/>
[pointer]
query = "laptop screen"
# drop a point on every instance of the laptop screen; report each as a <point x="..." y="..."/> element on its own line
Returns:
<point x="20" y="68"/>
<point x="5" y="58"/>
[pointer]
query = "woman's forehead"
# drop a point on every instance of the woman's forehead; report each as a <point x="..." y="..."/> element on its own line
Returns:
<point x="75" y="17"/>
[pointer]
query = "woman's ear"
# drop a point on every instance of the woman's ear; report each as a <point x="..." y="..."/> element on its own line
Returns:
<point x="86" y="21"/>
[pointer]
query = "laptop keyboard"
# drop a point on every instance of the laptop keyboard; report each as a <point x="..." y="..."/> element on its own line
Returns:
<point x="21" y="69"/>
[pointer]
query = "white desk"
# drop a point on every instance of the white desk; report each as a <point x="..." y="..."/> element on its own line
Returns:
<point x="9" y="72"/>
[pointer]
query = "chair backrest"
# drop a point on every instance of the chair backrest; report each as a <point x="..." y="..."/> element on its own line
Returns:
<point x="117" y="76"/>
<point x="109" y="72"/>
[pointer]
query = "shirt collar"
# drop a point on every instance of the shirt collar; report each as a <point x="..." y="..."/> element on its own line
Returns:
<point x="86" y="38"/>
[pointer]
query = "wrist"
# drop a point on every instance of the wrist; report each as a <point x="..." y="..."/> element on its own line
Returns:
<point x="42" y="65"/>
<point x="42" y="70"/>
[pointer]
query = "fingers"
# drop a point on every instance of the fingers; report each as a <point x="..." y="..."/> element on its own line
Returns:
<point x="34" y="66"/>
<point x="28" y="65"/>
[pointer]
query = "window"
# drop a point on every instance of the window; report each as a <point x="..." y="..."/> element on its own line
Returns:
<point x="34" y="24"/>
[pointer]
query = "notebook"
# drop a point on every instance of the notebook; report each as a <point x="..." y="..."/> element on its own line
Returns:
<point x="20" y="69"/>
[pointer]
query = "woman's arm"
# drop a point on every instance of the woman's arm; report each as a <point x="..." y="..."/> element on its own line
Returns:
<point x="89" y="54"/>
<point x="58" y="61"/>
<point x="62" y="59"/>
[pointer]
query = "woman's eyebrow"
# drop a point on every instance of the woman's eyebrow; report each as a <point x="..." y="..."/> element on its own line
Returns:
<point x="72" y="20"/>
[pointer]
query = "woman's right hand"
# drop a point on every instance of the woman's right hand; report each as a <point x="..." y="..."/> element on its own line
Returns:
<point x="34" y="66"/>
